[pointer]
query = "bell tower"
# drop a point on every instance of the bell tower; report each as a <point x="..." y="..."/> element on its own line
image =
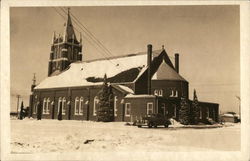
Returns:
<point x="65" y="49"/>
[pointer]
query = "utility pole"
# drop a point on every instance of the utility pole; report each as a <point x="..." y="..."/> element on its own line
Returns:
<point x="18" y="97"/>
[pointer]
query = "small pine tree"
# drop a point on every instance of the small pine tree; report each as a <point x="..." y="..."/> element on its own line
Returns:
<point x="105" y="112"/>
<point x="184" y="112"/>
<point x="21" y="114"/>
<point x="195" y="110"/>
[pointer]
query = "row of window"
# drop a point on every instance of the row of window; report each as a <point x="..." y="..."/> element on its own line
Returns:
<point x="79" y="105"/>
<point x="79" y="102"/>
<point x="159" y="92"/>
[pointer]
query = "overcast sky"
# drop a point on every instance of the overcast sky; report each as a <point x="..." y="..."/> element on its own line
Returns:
<point x="207" y="38"/>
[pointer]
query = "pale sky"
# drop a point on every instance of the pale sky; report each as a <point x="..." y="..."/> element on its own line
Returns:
<point x="206" y="37"/>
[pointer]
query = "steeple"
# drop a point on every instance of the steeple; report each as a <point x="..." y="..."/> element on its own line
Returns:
<point x="69" y="33"/>
<point x="34" y="79"/>
<point x="33" y="82"/>
<point x="65" y="49"/>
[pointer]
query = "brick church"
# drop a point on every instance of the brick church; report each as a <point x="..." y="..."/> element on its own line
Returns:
<point x="142" y="83"/>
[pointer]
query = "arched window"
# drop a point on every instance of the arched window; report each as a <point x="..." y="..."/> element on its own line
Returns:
<point x="55" y="53"/>
<point x="176" y="93"/>
<point x="64" y="104"/>
<point x="35" y="108"/>
<point x="44" y="106"/>
<point x="48" y="106"/>
<point x="115" y="106"/>
<point x="70" y="53"/>
<point x="76" y="106"/>
<point x="208" y="114"/>
<point x="59" y="104"/>
<point x="175" y="110"/>
<point x="81" y="106"/>
<point x="96" y="101"/>
<point x="200" y="113"/>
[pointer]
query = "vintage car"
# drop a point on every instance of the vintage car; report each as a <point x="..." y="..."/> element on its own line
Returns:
<point x="153" y="120"/>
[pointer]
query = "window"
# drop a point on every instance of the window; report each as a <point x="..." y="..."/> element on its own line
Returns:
<point x="150" y="109"/>
<point x="174" y="93"/>
<point x="35" y="108"/>
<point x="127" y="109"/>
<point x="115" y="106"/>
<point x="81" y="106"/>
<point x="96" y="101"/>
<point x="70" y="53"/>
<point x="175" y="111"/>
<point x="59" y="104"/>
<point x="55" y="53"/>
<point x="64" y="104"/>
<point x="76" y="106"/>
<point x="200" y="113"/>
<point x="48" y="106"/>
<point x="158" y="92"/>
<point x="44" y="105"/>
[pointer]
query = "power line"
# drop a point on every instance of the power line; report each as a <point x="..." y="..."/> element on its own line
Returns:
<point x="91" y="36"/>
<point x="83" y="36"/>
<point x="88" y="32"/>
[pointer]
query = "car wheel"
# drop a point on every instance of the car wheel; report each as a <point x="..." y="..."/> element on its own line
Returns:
<point x="166" y="125"/>
<point x="139" y="126"/>
<point x="150" y="125"/>
<point x="155" y="126"/>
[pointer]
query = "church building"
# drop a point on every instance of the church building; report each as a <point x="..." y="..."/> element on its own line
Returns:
<point x="142" y="84"/>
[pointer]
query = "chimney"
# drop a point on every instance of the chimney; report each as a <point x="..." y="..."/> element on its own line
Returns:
<point x="149" y="67"/>
<point x="177" y="62"/>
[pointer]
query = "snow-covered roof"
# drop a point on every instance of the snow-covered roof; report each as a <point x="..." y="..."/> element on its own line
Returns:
<point x="118" y="69"/>
<point x="124" y="88"/>
<point x="228" y="115"/>
<point x="140" y="96"/>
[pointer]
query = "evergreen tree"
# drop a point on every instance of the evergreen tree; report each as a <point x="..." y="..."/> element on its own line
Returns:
<point x="105" y="112"/>
<point x="184" y="112"/>
<point x="195" y="109"/>
<point x="21" y="113"/>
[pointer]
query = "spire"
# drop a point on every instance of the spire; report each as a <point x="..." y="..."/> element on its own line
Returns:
<point x="69" y="32"/>
<point x="53" y="37"/>
<point x="34" y="79"/>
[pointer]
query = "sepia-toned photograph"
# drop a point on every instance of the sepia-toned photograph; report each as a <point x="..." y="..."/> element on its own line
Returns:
<point x="125" y="78"/>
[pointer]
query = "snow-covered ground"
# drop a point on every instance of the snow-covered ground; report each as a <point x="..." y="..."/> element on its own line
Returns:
<point x="33" y="136"/>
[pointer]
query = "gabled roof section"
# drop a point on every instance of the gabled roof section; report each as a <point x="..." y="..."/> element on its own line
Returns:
<point x="164" y="66"/>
